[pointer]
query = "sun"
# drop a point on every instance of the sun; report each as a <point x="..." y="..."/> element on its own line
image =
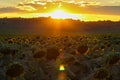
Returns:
<point x="60" y="14"/>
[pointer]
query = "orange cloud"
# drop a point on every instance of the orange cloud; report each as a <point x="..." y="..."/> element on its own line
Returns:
<point x="71" y="6"/>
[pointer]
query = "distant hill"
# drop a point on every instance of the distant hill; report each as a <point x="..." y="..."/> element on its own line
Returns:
<point x="35" y="25"/>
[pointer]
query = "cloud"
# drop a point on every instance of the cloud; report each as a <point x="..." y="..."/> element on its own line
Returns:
<point x="11" y="10"/>
<point x="105" y="10"/>
<point x="73" y="6"/>
<point x="41" y="6"/>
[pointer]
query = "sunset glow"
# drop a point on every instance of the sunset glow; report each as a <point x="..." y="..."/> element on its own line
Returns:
<point x="63" y="9"/>
<point x="61" y="14"/>
<point x="59" y="39"/>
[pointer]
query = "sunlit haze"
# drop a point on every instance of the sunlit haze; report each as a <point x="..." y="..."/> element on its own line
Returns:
<point x="85" y="10"/>
<point x="61" y="14"/>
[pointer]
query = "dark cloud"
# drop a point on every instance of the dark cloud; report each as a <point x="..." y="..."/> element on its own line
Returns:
<point x="115" y="10"/>
<point x="11" y="10"/>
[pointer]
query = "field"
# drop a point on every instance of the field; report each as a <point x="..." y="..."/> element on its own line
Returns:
<point x="59" y="39"/>
<point x="59" y="49"/>
<point x="60" y="56"/>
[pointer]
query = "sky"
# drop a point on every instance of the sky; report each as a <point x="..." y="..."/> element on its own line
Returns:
<point x="87" y="10"/>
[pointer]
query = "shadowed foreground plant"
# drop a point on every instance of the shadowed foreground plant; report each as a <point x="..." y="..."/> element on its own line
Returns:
<point x="82" y="49"/>
<point x="101" y="74"/>
<point x="39" y="54"/>
<point x="8" y="51"/>
<point x="15" y="70"/>
<point x="112" y="59"/>
<point x="52" y="53"/>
